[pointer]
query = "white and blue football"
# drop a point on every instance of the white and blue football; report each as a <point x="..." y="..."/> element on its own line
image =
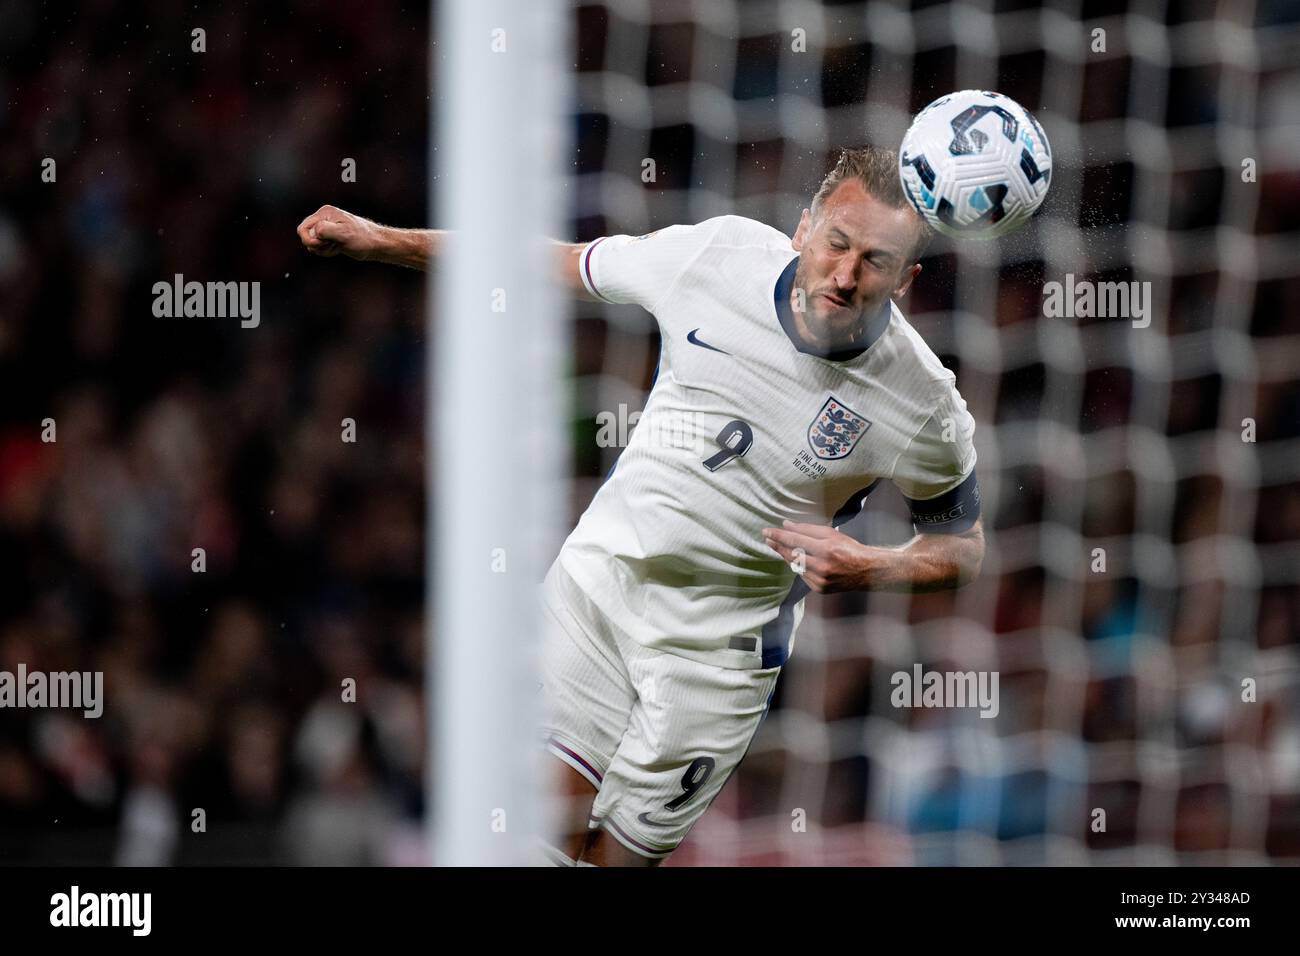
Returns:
<point x="975" y="164"/>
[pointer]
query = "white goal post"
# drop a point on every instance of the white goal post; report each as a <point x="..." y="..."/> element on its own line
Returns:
<point x="495" y="442"/>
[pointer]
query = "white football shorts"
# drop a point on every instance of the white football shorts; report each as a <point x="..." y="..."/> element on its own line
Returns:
<point x="658" y="735"/>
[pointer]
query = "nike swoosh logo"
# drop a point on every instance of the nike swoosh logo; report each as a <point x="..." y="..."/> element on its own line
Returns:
<point x="691" y="337"/>
<point x="645" y="817"/>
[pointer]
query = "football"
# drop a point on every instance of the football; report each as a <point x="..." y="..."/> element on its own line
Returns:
<point x="975" y="164"/>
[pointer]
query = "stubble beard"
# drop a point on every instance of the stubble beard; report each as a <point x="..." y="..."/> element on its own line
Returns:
<point x="827" y="333"/>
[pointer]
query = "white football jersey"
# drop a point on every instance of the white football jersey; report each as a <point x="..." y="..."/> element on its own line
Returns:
<point x="743" y="429"/>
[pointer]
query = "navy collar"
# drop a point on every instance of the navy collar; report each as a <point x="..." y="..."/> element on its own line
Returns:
<point x="874" y="330"/>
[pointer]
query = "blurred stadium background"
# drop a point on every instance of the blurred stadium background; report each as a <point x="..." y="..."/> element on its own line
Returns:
<point x="1120" y="690"/>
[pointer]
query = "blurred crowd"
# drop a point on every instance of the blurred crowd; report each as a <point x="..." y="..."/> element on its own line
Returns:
<point x="224" y="686"/>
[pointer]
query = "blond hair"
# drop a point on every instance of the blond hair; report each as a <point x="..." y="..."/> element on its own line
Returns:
<point x="877" y="170"/>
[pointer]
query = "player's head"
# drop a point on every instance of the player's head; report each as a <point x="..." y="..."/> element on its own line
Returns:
<point x="859" y="244"/>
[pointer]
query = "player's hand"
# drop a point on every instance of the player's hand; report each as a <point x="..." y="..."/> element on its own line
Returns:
<point x="828" y="560"/>
<point x="330" y="230"/>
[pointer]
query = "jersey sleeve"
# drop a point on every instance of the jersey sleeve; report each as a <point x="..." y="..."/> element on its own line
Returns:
<point x="936" y="473"/>
<point x="641" y="270"/>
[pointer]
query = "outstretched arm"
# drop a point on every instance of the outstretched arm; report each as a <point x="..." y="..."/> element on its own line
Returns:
<point x="330" y="231"/>
<point x="829" y="560"/>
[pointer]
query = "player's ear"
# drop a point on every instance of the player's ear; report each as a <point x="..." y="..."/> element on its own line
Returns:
<point x="801" y="233"/>
<point x="912" y="272"/>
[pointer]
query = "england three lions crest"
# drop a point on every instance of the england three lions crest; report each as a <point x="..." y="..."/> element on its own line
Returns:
<point x="835" y="430"/>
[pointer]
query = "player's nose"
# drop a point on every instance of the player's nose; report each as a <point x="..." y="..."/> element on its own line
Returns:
<point x="845" y="280"/>
<point x="844" y="289"/>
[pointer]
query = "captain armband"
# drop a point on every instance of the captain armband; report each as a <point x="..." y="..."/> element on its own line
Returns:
<point x="952" y="512"/>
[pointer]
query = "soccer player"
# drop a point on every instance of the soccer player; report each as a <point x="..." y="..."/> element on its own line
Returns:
<point x="789" y="386"/>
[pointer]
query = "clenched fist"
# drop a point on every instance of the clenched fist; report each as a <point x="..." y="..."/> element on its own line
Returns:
<point x="330" y="230"/>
